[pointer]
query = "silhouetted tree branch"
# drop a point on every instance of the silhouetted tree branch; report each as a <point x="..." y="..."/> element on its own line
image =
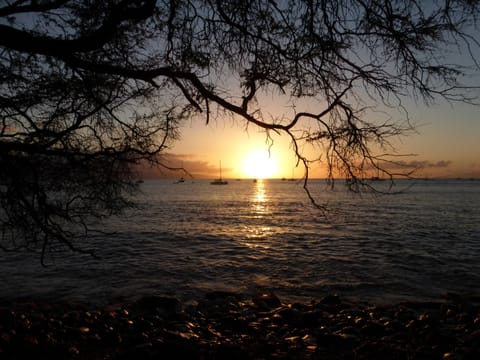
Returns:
<point x="88" y="89"/>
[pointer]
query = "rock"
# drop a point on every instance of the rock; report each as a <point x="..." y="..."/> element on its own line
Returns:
<point x="336" y="341"/>
<point x="230" y="352"/>
<point x="473" y="339"/>
<point x="151" y="304"/>
<point x="311" y="318"/>
<point x="222" y="326"/>
<point x="266" y="301"/>
<point x="373" y="329"/>
<point x="331" y="300"/>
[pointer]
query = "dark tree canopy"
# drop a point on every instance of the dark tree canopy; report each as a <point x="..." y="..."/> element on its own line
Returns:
<point x="89" y="89"/>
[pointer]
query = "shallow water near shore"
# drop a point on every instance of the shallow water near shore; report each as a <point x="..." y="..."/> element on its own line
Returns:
<point x="190" y="238"/>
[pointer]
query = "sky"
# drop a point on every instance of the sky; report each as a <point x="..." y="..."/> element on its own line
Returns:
<point x="446" y="144"/>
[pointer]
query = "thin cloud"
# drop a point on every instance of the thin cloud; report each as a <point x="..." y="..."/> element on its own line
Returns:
<point x="179" y="165"/>
<point x="420" y="164"/>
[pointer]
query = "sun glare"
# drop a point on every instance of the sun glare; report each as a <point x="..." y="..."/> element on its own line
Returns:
<point x="259" y="165"/>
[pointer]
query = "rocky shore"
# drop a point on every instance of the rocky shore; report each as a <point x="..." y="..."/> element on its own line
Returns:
<point x="232" y="326"/>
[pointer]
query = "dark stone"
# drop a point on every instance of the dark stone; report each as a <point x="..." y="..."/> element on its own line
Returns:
<point x="229" y="352"/>
<point x="151" y="304"/>
<point x="331" y="300"/>
<point x="373" y="329"/>
<point x="335" y="341"/>
<point x="311" y="318"/>
<point x="266" y="301"/>
<point x="473" y="339"/>
<point x="380" y="350"/>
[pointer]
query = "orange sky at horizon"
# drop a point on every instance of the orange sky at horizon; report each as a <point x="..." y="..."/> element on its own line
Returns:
<point x="446" y="145"/>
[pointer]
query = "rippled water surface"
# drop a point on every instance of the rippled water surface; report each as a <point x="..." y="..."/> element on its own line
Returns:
<point x="190" y="238"/>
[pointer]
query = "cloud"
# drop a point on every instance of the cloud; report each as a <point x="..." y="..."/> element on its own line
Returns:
<point x="420" y="164"/>
<point x="178" y="165"/>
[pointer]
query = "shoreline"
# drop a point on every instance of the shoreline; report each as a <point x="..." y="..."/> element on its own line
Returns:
<point x="235" y="326"/>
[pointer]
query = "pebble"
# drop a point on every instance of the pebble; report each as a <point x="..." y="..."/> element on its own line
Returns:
<point x="227" y="325"/>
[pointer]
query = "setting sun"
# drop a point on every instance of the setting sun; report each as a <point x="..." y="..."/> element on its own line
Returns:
<point x="259" y="164"/>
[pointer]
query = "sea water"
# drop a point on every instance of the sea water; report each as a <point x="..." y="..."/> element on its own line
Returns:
<point x="186" y="239"/>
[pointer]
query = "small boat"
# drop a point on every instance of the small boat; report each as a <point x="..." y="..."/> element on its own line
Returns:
<point x="181" y="180"/>
<point x="219" y="181"/>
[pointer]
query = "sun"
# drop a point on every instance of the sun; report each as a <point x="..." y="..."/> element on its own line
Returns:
<point x="259" y="164"/>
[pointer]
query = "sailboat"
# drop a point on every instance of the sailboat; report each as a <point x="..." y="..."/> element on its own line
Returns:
<point x="182" y="179"/>
<point x="219" y="181"/>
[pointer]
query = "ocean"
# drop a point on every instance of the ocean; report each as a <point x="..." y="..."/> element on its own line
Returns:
<point x="186" y="239"/>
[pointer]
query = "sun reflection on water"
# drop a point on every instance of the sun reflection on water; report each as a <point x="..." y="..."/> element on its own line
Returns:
<point x="259" y="199"/>
<point x="259" y="232"/>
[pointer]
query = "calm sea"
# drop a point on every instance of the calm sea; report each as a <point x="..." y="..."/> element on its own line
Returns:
<point x="190" y="238"/>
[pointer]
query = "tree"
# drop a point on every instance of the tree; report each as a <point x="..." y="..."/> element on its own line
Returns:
<point x="90" y="88"/>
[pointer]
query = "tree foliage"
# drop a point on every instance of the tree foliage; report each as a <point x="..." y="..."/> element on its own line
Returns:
<point x="89" y="89"/>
